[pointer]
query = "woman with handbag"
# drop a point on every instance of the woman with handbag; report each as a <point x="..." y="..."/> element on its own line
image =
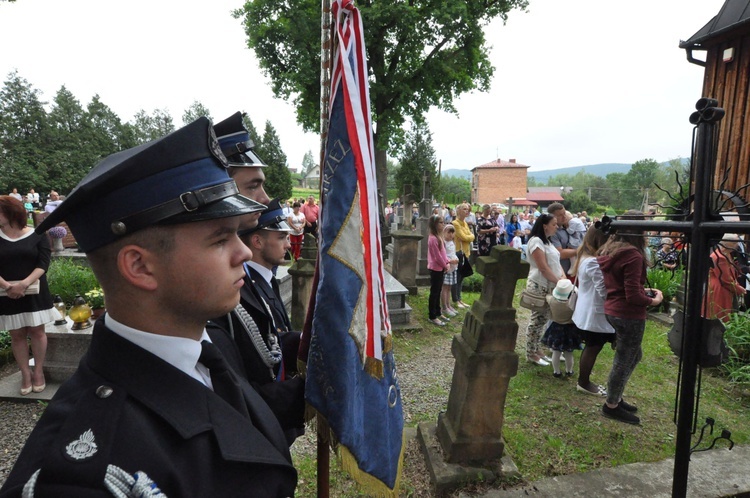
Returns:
<point x="24" y="259"/>
<point x="545" y="272"/>
<point x="464" y="238"/>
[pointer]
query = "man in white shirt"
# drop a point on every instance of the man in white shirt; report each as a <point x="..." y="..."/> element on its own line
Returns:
<point x="53" y="202"/>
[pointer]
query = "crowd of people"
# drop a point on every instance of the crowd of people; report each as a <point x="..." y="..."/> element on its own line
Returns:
<point x="567" y="254"/>
<point x="207" y="367"/>
<point x="32" y="202"/>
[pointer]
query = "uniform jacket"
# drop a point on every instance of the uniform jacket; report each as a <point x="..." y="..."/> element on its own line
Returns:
<point x="127" y="408"/>
<point x="264" y="289"/>
<point x="285" y="398"/>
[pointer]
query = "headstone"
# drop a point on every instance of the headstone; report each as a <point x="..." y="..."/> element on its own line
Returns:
<point x="470" y="430"/>
<point x="302" y="272"/>
<point x="404" y="258"/>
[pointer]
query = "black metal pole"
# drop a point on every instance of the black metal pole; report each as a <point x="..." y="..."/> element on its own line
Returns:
<point x="694" y="323"/>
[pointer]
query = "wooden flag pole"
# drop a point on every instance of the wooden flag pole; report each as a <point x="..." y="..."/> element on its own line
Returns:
<point x="326" y="58"/>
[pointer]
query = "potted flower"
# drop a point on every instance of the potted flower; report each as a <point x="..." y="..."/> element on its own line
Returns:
<point x="95" y="298"/>
<point x="56" y="234"/>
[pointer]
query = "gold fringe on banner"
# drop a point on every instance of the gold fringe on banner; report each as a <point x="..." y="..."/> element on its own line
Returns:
<point x="371" y="485"/>
<point x="368" y="484"/>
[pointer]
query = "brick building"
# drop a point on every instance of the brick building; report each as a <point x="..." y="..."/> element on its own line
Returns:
<point x="498" y="181"/>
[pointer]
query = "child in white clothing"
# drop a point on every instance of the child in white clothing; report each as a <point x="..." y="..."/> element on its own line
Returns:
<point x="450" y="278"/>
<point x="517" y="242"/>
<point x="562" y="335"/>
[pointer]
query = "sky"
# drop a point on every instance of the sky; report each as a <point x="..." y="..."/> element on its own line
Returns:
<point x="576" y="82"/>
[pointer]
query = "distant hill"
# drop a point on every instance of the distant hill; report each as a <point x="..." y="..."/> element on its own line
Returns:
<point x="542" y="176"/>
<point x="460" y="173"/>
<point x="593" y="169"/>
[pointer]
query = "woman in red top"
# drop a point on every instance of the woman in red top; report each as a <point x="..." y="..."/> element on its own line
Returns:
<point x="722" y="280"/>
<point x="623" y="263"/>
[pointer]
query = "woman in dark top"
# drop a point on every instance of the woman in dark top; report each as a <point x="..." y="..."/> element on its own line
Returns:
<point x="487" y="231"/>
<point x="623" y="263"/>
<point x="24" y="259"/>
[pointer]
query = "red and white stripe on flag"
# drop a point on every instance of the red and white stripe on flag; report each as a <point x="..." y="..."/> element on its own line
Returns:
<point x="350" y="71"/>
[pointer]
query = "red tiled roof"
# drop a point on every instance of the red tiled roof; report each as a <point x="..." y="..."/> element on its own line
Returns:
<point x="544" y="197"/>
<point x="523" y="202"/>
<point x="499" y="163"/>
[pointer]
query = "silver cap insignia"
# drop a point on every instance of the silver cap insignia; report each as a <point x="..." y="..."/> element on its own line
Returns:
<point x="82" y="448"/>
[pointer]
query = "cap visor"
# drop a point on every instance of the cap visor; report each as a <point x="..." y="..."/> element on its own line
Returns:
<point x="235" y="205"/>
<point x="247" y="159"/>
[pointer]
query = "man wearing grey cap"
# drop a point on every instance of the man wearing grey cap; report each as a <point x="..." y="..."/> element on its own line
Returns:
<point x="153" y="406"/>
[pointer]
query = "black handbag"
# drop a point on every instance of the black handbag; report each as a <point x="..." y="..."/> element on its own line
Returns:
<point x="464" y="267"/>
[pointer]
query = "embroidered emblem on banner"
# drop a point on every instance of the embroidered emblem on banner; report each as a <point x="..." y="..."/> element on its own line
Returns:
<point x="82" y="448"/>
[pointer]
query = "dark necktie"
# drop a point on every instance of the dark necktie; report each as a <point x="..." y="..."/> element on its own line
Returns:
<point x="225" y="383"/>
<point x="275" y="287"/>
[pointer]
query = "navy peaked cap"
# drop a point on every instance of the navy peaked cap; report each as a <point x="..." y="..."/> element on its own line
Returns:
<point x="179" y="178"/>
<point x="272" y="219"/>
<point x="235" y="143"/>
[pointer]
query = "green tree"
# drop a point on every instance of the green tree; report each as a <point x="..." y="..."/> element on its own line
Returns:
<point x="150" y="127"/>
<point x="455" y="189"/>
<point x="420" y="55"/>
<point x="417" y="157"/>
<point x="71" y="153"/>
<point x="308" y="163"/>
<point x="577" y="201"/>
<point x="254" y="136"/>
<point x="24" y="135"/>
<point x="642" y="176"/>
<point x="195" y="111"/>
<point x="108" y="133"/>
<point x="278" y="177"/>
<point x="622" y="193"/>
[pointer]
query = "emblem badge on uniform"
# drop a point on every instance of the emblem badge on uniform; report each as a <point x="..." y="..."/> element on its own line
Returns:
<point x="83" y="447"/>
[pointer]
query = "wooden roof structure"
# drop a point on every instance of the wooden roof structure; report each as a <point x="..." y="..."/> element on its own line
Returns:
<point x="726" y="41"/>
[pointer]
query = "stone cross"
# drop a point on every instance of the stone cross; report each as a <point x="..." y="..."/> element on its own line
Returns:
<point x="470" y="430"/>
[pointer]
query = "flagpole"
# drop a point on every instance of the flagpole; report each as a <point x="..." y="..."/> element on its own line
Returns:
<point x="326" y="57"/>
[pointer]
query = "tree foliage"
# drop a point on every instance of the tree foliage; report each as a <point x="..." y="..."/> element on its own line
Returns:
<point x="195" y="111"/>
<point x="308" y="163"/>
<point x="153" y="126"/>
<point x="420" y="54"/>
<point x="455" y="189"/>
<point x="24" y="135"/>
<point x="417" y="158"/>
<point x="278" y="177"/>
<point x="53" y="150"/>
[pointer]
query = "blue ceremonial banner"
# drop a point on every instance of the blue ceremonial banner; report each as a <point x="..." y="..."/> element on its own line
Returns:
<point x="351" y="373"/>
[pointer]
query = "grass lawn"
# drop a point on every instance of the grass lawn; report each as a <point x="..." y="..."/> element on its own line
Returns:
<point x="550" y="428"/>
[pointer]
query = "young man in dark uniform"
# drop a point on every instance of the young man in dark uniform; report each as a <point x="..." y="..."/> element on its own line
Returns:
<point x="249" y="336"/>
<point x="153" y="405"/>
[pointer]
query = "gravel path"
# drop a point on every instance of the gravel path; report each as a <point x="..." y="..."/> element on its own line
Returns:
<point x="425" y="384"/>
